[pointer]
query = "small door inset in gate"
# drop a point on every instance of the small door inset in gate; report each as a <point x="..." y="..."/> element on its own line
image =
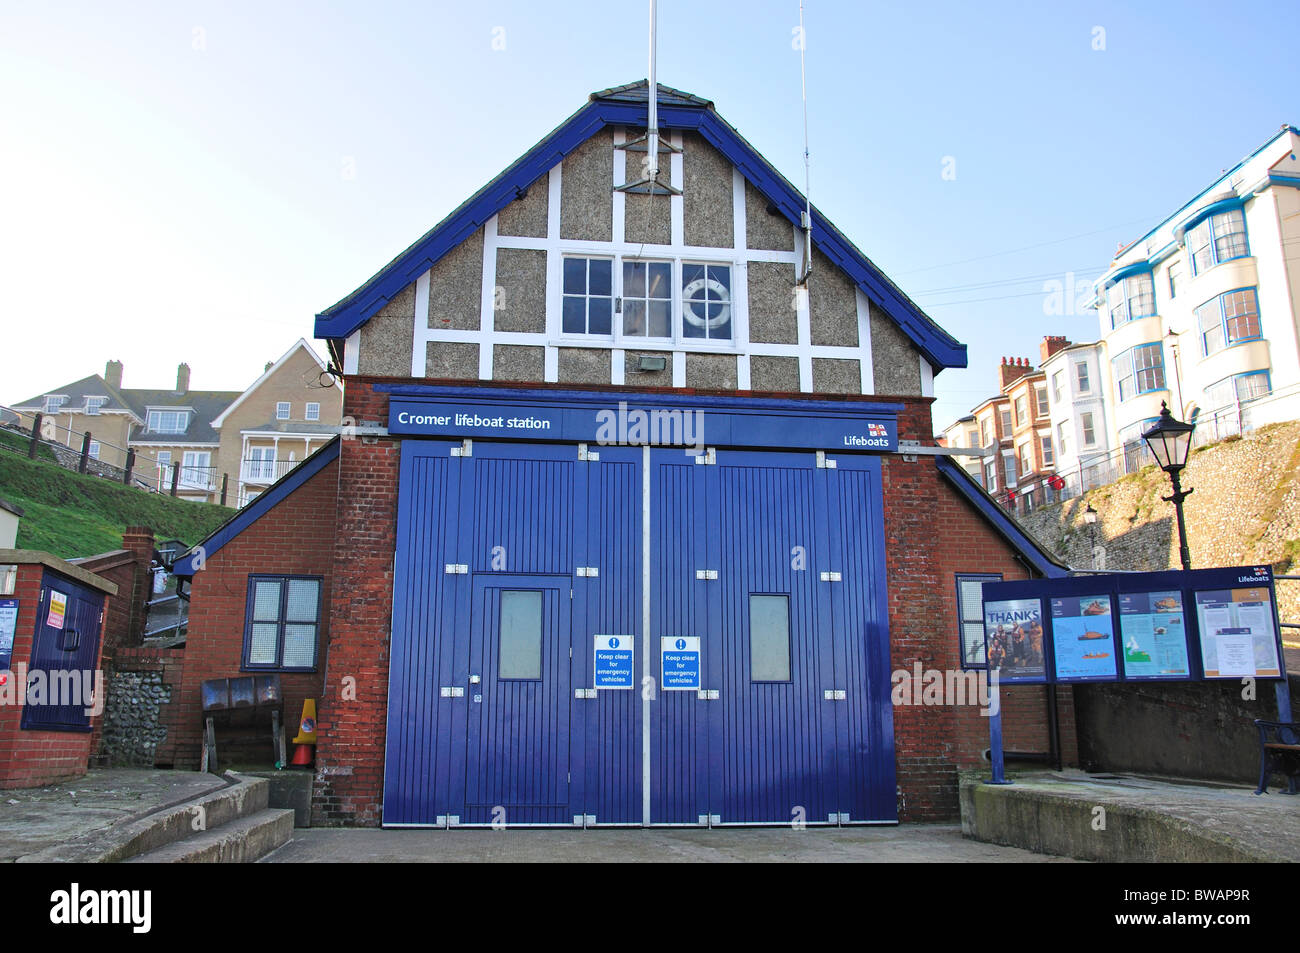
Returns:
<point x="65" y="653"/>
<point x="517" y="749"/>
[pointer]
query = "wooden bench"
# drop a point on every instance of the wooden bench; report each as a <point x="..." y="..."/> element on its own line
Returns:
<point x="1279" y="752"/>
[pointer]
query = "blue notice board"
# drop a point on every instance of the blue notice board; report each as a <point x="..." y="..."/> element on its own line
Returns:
<point x="8" y="629"/>
<point x="1083" y="638"/>
<point x="613" y="655"/>
<point x="1153" y="635"/>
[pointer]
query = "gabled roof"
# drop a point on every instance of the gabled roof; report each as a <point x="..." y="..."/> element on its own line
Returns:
<point x="626" y="106"/>
<point x="269" y="372"/>
<point x="1024" y="544"/>
<point x="250" y="514"/>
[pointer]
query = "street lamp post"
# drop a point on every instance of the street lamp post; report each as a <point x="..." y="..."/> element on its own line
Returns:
<point x="1090" y="517"/>
<point x="1170" y="441"/>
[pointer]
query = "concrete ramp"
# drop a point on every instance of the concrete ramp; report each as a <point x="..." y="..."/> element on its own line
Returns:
<point x="1127" y="818"/>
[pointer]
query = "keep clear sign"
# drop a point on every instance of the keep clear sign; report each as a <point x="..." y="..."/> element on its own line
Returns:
<point x="613" y="654"/>
<point x="681" y="663"/>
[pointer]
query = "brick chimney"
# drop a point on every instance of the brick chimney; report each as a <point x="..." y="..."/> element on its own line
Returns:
<point x="183" y="379"/>
<point x="113" y="373"/>
<point x="1012" y="369"/>
<point x="1049" y="346"/>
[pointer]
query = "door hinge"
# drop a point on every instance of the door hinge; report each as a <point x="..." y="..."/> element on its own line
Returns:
<point x="452" y="691"/>
<point x="585" y="693"/>
<point x="710" y="457"/>
<point x="585" y="454"/>
<point x="824" y="462"/>
<point x="457" y="569"/>
<point x="466" y="449"/>
<point x="706" y="574"/>
<point x="590" y="571"/>
<point x="831" y="577"/>
<point x="835" y="695"/>
<point x="707" y="694"/>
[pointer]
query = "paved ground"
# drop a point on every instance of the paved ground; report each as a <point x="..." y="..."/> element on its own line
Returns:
<point x="34" y="819"/>
<point x="904" y="843"/>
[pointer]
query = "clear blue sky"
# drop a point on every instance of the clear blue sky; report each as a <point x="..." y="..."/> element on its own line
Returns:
<point x="194" y="181"/>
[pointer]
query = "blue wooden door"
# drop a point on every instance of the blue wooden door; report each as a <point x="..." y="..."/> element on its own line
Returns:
<point x="856" y="632"/>
<point x="517" y="748"/>
<point x="607" y="755"/>
<point x="65" y="652"/>
<point x="774" y="763"/>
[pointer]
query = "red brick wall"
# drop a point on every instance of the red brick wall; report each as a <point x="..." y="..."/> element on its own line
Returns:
<point x="932" y="742"/>
<point x="295" y="537"/>
<point x="35" y="758"/>
<point x="354" y="709"/>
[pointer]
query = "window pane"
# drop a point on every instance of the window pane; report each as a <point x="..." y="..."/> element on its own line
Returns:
<point x="601" y="278"/>
<point x="266" y="600"/>
<point x="634" y="279"/>
<point x="304" y="594"/>
<point x="600" y="315"/>
<point x="261" y="645"/>
<point x="521" y="634"/>
<point x="1242" y="318"/>
<point x="299" y="646"/>
<point x="660" y="319"/>
<point x="769" y="638"/>
<point x="660" y="281"/>
<point x="634" y="318"/>
<point x="972" y="592"/>
<point x="575" y="276"/>
<point x="575" y="315"/>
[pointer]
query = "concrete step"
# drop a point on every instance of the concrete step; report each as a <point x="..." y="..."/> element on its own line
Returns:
<point x="243" y="797"/>
<point x="240" y="841"/>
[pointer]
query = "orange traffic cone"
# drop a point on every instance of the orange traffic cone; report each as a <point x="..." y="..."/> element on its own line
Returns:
<point x="302" y="755"/>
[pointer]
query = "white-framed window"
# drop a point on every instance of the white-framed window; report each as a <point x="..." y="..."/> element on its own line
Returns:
<point x="1081" y="378"/>
<point x="1040" y="398"/>
<point x="1045" y="450"/>
<point x="588" y="296"/>
<point x="1217" y="239"/>
<point x="93" y="404"/>
<point x="1022" y="410"/>
<point x="1026" y="458"/>
<point x="164" y="458"/>
<point x="677" y="302"/>
<point x="972" y="438"/>
<point x="1089" y="430"/>
<point x="313" y="411"/>
<point x="1140" y="370"/>
<point x="1131" y="298"/>
<point x="1240" y="387"/>
<point x="282" y="410"/>
<point x="1229" y="319"/>
<point x="1058" y="385"/>
<point x="261" y="463"/>
<point x="1009" y="468"/>
<point x="991" y="474"/>
<point x="1005" y="415"/>
<point x="196" y="467"/>
<point x="53" y="402"/>
<point x="1175" y="277"/>
<point x="986" y="431"/>
<point x="1063" y="436"/>
<point x="94" y="449"/>
<point x="168" y="421"/>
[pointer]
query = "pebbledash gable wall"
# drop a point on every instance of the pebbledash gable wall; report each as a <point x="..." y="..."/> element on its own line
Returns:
<point x="294" y="537"/>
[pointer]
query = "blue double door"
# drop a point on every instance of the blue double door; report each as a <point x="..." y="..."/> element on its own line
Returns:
<point x="512" y="560"/>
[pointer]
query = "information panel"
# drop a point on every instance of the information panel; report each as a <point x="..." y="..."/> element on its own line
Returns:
<point x="8" y="628"/>
<point x="1083" y="637"/>
<point x="1237" y="635"/>
<point x="1153" y="634"/>
<point x="680" y="662"/>
<point x="613" y="655"/>
<point x="1013" y="633"/>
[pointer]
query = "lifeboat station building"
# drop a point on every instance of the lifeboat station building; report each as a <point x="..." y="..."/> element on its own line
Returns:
<point x="632" y="519"/>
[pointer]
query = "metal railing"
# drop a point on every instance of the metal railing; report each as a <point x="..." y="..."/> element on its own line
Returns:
<point x="259" y="470"/>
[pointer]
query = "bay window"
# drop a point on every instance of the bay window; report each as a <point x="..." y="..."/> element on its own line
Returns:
<point x="1217" y="239"/>
<point x="1131" y="298"/>
<point x="1229" y="319"/>
<point x="1140" y="370"/>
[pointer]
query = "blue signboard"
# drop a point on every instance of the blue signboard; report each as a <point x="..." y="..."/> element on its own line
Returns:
<point x="1153" y="634"/>
<point x="613" y="655"/>
<point x="680" y="658"/>
<point x="645" y="421"/>
<point x="1083" y="638"/>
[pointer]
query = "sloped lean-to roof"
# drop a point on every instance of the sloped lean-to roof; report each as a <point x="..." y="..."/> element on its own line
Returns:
<point x="1043" y="562"/>
<point x="626" y="106"/>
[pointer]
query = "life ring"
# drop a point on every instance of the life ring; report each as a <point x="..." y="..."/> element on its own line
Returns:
<point x="695" y="320"/>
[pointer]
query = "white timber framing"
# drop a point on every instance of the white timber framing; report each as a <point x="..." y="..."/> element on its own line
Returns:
<point x="486" y="337"/>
